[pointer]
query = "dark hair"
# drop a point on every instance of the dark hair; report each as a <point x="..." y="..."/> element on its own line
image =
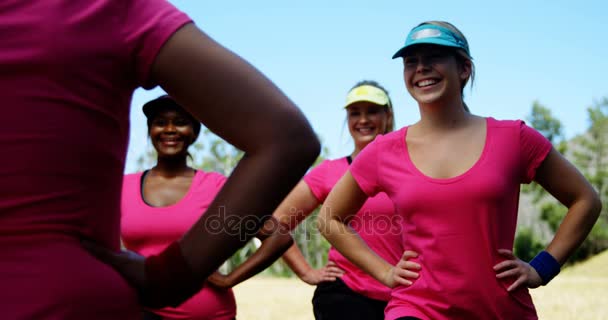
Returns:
<point x="390" y="125"/>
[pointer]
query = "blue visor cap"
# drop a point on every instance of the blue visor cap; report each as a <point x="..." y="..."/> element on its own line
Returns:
<point x="433" y="34"/>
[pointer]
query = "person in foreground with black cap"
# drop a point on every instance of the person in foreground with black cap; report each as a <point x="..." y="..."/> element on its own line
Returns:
<point x="454" y="178"/>
<point x="160" y="204"/>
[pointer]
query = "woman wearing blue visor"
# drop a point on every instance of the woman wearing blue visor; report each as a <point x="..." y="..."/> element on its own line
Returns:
<point x="454" y="178"/>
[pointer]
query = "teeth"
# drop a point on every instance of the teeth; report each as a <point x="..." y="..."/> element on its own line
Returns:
<point x="425" y="83"/>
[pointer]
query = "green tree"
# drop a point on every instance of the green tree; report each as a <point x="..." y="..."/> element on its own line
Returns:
<point x="591" y="156"/>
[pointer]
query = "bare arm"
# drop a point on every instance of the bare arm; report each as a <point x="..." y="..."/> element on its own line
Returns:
<point x="345" y="199"/>
<point x="296" y="207"/>
<point x="243" y="107"/>
<point x="562" y="180"/>
<point x="275" y="240"/>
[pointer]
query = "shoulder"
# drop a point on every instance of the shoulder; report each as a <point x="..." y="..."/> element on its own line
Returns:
<point x="517" y="123"/>
<point x="203" y="177"/>
<point x="328" y="166"/>
<point x="132" y="178"/>
<point x="389" y="142"/>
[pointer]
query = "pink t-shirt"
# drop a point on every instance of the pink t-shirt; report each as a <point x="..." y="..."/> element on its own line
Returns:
<point x="68" y="71"/>
<point x="148" y="230"/>
<point x="458" y="224"/>
<point x="374" y="223"/>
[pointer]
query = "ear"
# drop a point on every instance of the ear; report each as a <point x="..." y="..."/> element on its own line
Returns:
<point x="466" y="69"/>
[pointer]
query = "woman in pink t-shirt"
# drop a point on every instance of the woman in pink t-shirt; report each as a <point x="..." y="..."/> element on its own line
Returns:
<point x="454" y="180"/>
<point x="343" y="290"/>
<point x="160" y="204"/>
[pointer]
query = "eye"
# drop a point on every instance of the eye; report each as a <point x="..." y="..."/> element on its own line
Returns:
<point x="373" y="110"/>
<point x="410" y="61"/>
<point x="159" y="122"/>
<point x="181" y="122"/>
<point x="354" y="113"/>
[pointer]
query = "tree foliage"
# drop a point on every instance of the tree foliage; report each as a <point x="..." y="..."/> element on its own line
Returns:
<point x="589" y="152"/>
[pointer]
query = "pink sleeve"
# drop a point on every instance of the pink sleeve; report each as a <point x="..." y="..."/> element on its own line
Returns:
<point x="149" y="24"/>
<point x="316" y="180"/>
<point x="534" y="148"/>
<point x="365" y="168"/>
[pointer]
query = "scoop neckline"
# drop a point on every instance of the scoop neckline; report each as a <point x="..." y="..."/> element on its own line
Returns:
<point x="458" y="177"/>
<point x="186" y="196"/>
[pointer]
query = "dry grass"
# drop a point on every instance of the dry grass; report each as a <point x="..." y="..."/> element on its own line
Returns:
<point x="579" y="292"/>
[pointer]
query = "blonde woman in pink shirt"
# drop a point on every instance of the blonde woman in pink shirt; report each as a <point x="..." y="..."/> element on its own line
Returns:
<point x="454" y="179"/>
<point x="160" y="204"/>
<point x="69" y="69"/>
<point x="343" y="290"/>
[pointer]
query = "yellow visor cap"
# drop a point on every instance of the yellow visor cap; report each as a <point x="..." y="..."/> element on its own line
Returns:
<point x="367" y="93"/>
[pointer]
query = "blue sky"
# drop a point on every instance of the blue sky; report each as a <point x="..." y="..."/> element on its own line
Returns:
<point x="555" y="52"/>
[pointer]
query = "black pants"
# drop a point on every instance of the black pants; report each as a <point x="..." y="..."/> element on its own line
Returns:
<point x="333" y="300"/>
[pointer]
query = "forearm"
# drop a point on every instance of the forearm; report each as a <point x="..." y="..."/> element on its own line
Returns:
<point x="271" y="249"/>
<point x="350" y="245"/>
<point x="240" y="208"/>
<point x="575" y="227"/>
<point x="294" y="258"/>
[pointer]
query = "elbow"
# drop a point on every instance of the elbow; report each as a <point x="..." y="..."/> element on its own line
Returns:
<point x="593" y="205"/>
<point x="596" y="205"/>
<point x="284" y="240"/>
<point x="322" y="225"/>
<point x="299" y="145"/>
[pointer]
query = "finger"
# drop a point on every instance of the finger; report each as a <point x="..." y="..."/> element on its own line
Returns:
<point x="507" y="253"/>
<point x="335" y="269"/>
<point x="330" y="264"/>
<point x="505" y="264"/>
<point x="403" y="281"/>
<point x="508" y="273"/>
<point x="408" y="254"/>
<point x="334" y="274"/>
<point x="409" y="265"/>
<point x="516" y="284"/>
<point x="407" y="274"/>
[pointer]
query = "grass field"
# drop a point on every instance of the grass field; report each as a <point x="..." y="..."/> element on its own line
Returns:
<point x="580" y="292"/>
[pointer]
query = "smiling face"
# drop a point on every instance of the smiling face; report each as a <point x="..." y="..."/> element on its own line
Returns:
<point x="171" y="132"/>
<point x="365" y="121"/>
<point x="432" y="74"/>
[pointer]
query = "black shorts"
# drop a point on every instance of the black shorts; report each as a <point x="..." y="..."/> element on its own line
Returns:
<point x="334" y="300"/>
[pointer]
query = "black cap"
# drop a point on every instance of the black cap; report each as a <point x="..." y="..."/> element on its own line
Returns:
<point x="152" y="107"/>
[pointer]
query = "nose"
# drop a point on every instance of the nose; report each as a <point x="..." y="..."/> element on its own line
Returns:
<point x="364" y="118"/>
<point x="169" y="127"/>
<point x="424" y="63"/>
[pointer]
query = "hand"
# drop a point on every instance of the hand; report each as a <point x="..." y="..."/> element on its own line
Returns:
<point x="328" y="273"/>
<point x="523" y="273"/>
<point x="219" y="280"/>
<point x="128" y="263"/>
<point x="403" y="271"/>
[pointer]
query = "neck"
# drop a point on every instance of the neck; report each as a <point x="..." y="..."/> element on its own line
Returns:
<point x="442" y="115"/>
<point x="172" y="166"/>
<point x="357" y="150"/>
